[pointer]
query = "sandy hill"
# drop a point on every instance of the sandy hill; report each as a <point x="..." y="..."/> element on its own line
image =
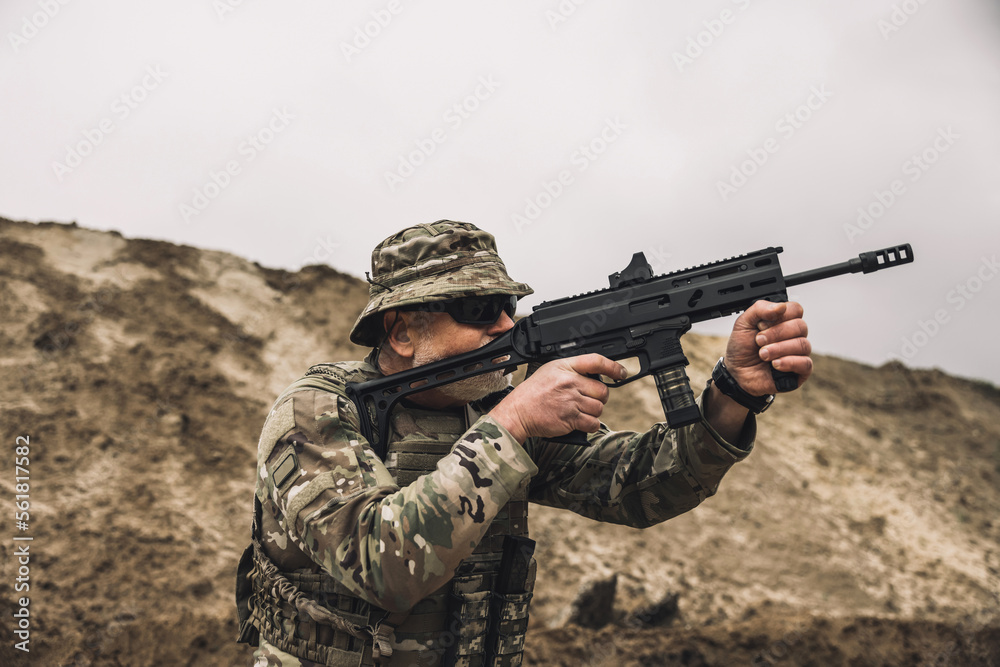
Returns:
<point x="862" y="531"/>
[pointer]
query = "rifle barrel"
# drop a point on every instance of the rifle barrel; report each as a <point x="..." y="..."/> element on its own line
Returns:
<point x="850" y="266"/>
<point x="866" y="262"/>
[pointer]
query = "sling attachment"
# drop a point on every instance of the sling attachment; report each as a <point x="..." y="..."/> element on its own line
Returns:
<point x="383" y="635"/>
<point x="256" y="568"/>
<point x="382" y="646"/>
<point x="281" y="587"/>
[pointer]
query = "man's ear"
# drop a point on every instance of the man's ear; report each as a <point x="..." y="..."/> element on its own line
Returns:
<point x="397" y="327"/>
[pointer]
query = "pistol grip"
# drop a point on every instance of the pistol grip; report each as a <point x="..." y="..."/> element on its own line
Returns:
<point x="572" y="438"/>
<point x="784" y="381"/>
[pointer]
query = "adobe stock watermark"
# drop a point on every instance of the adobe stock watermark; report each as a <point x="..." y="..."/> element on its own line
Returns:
<point x="33" y="24"/>
<point x="581" y="159"/>
<point x="322" y="252"/>
<point x="248" y="150"/>
<point x="562" y="12"/>
<point x="786" y="127"/>
<point x="364" y="34"/>
<point x="658" y="258"/>
<point x="698" y="43"/>
<point x="225" y="7"/>
<point x="958" y="298"/>
<point x="914" y="167"/>
<point x="120" y="109"/>
<point x="453" y="119"/>
<point x="901" y="14"/>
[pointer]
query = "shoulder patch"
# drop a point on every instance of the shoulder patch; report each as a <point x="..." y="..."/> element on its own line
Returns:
<point x="286" y="470"/>
<point x="278" y="423"/>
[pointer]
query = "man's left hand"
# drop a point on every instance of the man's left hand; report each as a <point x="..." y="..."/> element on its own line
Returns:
<point x="768" y="334"/>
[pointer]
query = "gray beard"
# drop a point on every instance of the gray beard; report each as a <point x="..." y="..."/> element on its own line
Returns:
<point x="469" y="389"/>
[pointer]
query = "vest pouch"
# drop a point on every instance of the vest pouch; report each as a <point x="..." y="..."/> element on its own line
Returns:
<point x="511" y="622"/>
<point x="509" y="609"/>
<point x="468" y="621"/>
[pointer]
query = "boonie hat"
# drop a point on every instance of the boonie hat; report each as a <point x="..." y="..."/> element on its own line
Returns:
<point x="427" y="263"/>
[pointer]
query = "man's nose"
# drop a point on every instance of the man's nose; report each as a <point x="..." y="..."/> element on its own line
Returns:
<point x="503" y="324"/>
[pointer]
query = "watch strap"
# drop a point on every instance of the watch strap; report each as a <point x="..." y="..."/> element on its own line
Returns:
<point x="728" y="385"/>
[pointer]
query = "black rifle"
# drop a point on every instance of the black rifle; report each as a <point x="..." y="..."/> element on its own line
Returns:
<point x="640" y="315"/>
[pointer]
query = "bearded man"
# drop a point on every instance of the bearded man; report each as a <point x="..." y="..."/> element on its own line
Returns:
<point x="360" y="560"/>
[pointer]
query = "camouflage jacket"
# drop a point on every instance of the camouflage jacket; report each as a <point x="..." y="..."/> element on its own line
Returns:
<point x="329" y="502"/>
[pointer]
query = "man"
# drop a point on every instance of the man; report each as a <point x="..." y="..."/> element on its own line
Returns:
<point x="359" y="560"/>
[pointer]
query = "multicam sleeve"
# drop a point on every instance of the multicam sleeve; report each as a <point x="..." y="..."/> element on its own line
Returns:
<point x="335" y="500"/>
<point x="636" y="479"/>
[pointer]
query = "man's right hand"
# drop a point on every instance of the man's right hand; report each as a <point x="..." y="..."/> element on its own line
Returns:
<point x="559" y="398"/>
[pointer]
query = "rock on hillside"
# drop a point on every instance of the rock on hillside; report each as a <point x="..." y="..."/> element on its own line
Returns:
<point x="863" y="529"/>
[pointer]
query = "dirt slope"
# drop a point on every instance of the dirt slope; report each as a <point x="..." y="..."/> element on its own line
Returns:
<point x="862" y="531"/>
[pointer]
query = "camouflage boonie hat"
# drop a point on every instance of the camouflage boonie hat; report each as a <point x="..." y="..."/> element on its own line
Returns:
<point x="427" y="263"/>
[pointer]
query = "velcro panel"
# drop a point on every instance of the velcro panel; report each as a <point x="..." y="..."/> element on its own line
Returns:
<point x="407" y="477"/>
<point x="415" y="461"/>
<point x="278" y="423"/>
<point x="319" y="484"/>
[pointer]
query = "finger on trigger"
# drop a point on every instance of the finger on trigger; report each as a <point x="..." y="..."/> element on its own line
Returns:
<point x="614" y="370"/>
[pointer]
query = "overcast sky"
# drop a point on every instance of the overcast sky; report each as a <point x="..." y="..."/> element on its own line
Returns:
<point x="296" y="132"/>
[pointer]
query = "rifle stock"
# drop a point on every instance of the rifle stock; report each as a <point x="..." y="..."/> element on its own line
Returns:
<point x="638" y="316"/>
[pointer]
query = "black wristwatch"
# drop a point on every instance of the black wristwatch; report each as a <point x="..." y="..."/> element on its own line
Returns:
<point x="728" y="385"/>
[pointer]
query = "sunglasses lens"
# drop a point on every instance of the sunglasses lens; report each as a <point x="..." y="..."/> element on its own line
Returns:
<point x="482" y="309"/>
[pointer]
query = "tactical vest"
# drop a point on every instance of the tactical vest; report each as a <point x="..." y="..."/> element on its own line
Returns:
<point x="478" y="618"/>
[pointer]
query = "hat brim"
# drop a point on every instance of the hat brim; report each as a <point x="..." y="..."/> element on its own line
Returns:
<point x="485" y="280"/>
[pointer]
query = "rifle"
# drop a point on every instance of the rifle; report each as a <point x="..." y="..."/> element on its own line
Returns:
<point x="638" y="316"/>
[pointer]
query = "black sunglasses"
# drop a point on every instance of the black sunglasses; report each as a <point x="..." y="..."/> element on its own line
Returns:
<point x="472" y="309"/>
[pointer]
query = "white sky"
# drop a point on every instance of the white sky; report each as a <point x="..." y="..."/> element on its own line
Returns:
<point x="199" y="77"/>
